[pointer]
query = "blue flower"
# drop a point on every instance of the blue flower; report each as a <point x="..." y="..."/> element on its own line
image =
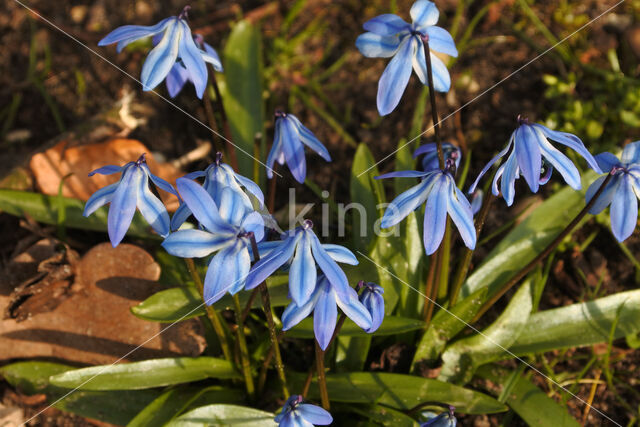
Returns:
<point x="439" y="190"/>
<point x="390" y="36"/>
<point x="302" y="249"/>
<point x="430" y="150"/>
<point x="217" y="177"/>
<point x="288" y="140"/>
<point x="476" y="201"/>
<point x="532" y="153"/>
<point x="324" y="303"/>
<point x="175" y="46"/>
<point x="226" y="229"/>
<point x="621" y="191"/>
<point x="444" y="419"/>
<point x="371" y="297"/>
<point x="132" y="190"/>
<point x="294" y="413"/>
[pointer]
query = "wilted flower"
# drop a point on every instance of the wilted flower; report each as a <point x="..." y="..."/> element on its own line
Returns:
<point x="294" y="413"/>
<point x="227" y="230"/>
<point x="389" y="35"/>
<point x="371" y="297"/>
<point x="289" y="140"/>
<point x="531" y="144"/>
<point x="175" y="46"/>
<point x="324" y="303"/>
<point x="430" y="150"/>
<point x="622" y="190"/>
<point x="132" y="190"/>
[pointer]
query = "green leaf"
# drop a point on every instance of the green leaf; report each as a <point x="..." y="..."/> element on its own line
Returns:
<point x="352" y="352"/>
<point x="528" y="401"/>
<point x="224" y="415"/>
<point x="581" y="324"/>
<point x="31" y="377"/>
<point x="145" y="374"/>
<point x="404" y="161"/>
<point x="462" y="358"/>
<point x="45" y="209"/>
<point x="403" y="392"/>
<point x="385" y="416"/>
<point x="392" y="325"/>
<point x="242" y="91"/>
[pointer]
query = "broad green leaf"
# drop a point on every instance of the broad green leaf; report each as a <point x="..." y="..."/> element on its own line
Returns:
<point x="404" y="161"/>
<point x="445" y="325"/>
<point x="462" y="358"/>
<point x="528" y="401"/>
<point x="31" y="377"/>
<point x="392" y="325"/>
<point x="403" y="392"/>
<point x="242" y="91"/>
<point x="45" y="209"/>
<point x="385" y="416"/>
<point x="145" y="374"/>
<point x="352" y="352"/>
<point x="224" y="415"/>
<point x="581" y="324"/>
<point x="173" y="270"/>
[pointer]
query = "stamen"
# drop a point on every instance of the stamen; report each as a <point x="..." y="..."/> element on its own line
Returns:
<point x="307" y="224"/>
<point x="185" y="12"/>
<point x="142" y="159"/>
<point x="218" y="158"/>
<point x="522" y="120"/>
<point x="280" y="114"/>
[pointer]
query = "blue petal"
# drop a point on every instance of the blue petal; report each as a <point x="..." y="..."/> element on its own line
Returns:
<point x="275" y="153"/>
<point x="331" y="270"/>
<point x="194" y="175"/>
<point x="231" y="207"/>
<point x="606" y="161"/>
<point x="560" y="162"/>
<point x="133" y="32"/>
<point x="180" y="216"/>
<point x="406" y="203"/>
<point x="387" y="25"/>
<point x="251" y="187"/>
<point x="395" y="77"/>
<point x="441" y="77"/>
<point x="228" y="269"/>
<point x="325" y="314"/>
<point x="509" y="176"/>
<point x="402" y="174"/>
<point x="631" y="153"/>
<point x="461" y="213"/>
<point x="441" y="41"/>
<point x="192" y="60"/>
<point x="202" y="206"/>
<point x="527" y="151"/>
<point x="106" y="170"/>
<point x="294" y="314"/>
<point x="267" y="265"/>
<point x="99" y="199"/>
<point x="476" y="201"/>
<point x="340" y="254"/>
<point x="605" y="197"/>
<point x="159" y="182"/>
<point x="424" y="13"/>
<point x="491" y="162"/>
<point x="176" y="79"/>
<point x="195" y="243"/>
<point x="308" y="138"/>
<point x="355" y="310"/>
<point x="255" y="224"/>
<point x="293" y="149"/>
<point x="314" y="414"/>
<point x="374" y="45"/>
<point x="375" y="304"/>
<point x="302" y="273"/>
<point x="162" y="57"/>
<point x="624" y="209"/>
<point x="435" y="215"/>
<point x="211" y="56"/>
<point x="123" y="204"/>
<point x="572" y="142"/>
<point x="152" y="209"/>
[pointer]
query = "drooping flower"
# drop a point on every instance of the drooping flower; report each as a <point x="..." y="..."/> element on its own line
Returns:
<point x="324" y="303"/>
<point x="390" y="36"/>
<point x="226" y="230"/>
<point x="294" y="413"/>
<point x="371" y="297"/>
<point x="439" y="190"/>
<point x="476" y="201"/>
<point x="289" y="140"/>
<point x="532" y="153"/>
<point x="301" y="248"/>
<point x="175" y="45"/>
<point x="622" y="190"/>
<point x="124" y="196"/>
<point x="217" y="177"/>
<point x="430" y="150"/>
<point x="444" y="419"/>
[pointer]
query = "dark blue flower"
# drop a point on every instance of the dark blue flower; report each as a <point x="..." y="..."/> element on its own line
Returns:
<point x="444" y="419"/>
<point x="289" y="140"/>
<point x="371" y="297"/>
<point x="439" y="190"/>
<point x="390" y="36"/>
<point x="302" y="249"/>
<point x="217" y="177"/>
<point x="175" y="45"/>
<point x="621" y="192"/>
<point x="226" y="229"/>
<point x="535" y="157"/>
<point x="430" y="150"/>
<point x="132" y="190"/>
<point x="324" y="303"/>
<point x="294" y="413"/>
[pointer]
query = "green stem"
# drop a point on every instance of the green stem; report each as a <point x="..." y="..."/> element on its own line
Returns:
<point x="336" y="331"/>
<point x="432" y="96"/>
<point x="244" y="352"/>
<point x="322" y="380"/>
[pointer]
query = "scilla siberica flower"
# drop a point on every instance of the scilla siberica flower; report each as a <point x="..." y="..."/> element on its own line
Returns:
<point x="430" y="150"/>
<point x="217" y="177"/>
<point x="289" y="140"/>
<point x="442" y="195"/>
<point x="301" y="248"/>
<point x="444" y="419"/>
<point x="294" y="413"/>
<point x="226" y="230"/>
<point x="132" y="190"/>
<point x="532" y="150"/>
<point x="324" y="303"/>
<point x="175" y="45"/>
<point x="371" y="297"/>
<point x="622" y="190"/>
<point x="389" y="35"/>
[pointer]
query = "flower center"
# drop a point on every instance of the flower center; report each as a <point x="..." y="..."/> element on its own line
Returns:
<point x="218" y="158"/>
<point x="185" y="12"/>
<point x="141" y="159"/>
<point x="307" y="224"/>
<point x="280" y="114"/>
<point x="522" y="120"/>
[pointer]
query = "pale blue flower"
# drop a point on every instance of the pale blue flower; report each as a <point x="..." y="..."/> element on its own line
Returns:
<point x="444" y="419"/>
<point x="294" y="413"/>
<point x="289" y="140"/>
<point x="430" y="150"/>
<point x="390" y="36"/>
<point x="535" y="157"/>
<point x="621" y="192"/>
<point x="132" y="190"/>
<point x="371" y="297"/>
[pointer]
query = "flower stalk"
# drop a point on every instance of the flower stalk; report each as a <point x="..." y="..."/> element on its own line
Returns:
<point x="245" y="363"/>
<point x="322" y="380"/>
<point x="432" y="96"/>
